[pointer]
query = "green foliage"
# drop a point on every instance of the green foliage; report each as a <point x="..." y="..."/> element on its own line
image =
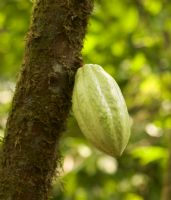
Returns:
<point x="14" y="21"/>
<point x="131" y="40"/>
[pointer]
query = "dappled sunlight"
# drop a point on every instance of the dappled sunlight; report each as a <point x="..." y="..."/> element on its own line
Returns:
<point x="131" y="41"/>
<point x="6" y="94"/>
<point x="153" y="130"/>
<point x="107" y="164"/>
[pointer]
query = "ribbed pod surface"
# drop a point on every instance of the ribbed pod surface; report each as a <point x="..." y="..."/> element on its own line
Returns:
<point x="100" y="109"/>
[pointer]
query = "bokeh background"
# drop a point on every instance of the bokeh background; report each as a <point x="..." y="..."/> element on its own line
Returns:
<point x="132" y="41"/>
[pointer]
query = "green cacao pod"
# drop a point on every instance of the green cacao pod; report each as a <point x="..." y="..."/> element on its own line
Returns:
<point x="100" y="109"/>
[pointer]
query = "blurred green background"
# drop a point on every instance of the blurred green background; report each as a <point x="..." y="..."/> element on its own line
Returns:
<point x="131" y="40"/>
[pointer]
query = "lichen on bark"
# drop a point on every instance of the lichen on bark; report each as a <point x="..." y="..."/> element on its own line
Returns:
<point x="42" y="98"/>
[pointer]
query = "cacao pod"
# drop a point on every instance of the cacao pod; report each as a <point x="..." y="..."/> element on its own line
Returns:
<point x="100" y="109"/>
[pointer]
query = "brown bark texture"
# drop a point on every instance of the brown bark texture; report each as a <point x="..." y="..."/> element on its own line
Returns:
<point x="42" y="98"/>
<point x="166" y="193"/>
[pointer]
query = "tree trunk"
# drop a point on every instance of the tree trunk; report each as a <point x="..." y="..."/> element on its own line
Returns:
<point x="166" y="194"/>
<point x="42" y="98"/>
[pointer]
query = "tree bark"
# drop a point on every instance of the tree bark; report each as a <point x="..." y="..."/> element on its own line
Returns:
<point x="42" y="98"/>
<point x="166" y="193"/>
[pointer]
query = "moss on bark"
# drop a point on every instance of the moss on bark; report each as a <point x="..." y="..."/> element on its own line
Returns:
<point x="42" y="98"/>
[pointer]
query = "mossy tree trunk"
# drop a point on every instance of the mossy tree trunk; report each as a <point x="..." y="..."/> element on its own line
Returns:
<point x="42" y="98"/>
